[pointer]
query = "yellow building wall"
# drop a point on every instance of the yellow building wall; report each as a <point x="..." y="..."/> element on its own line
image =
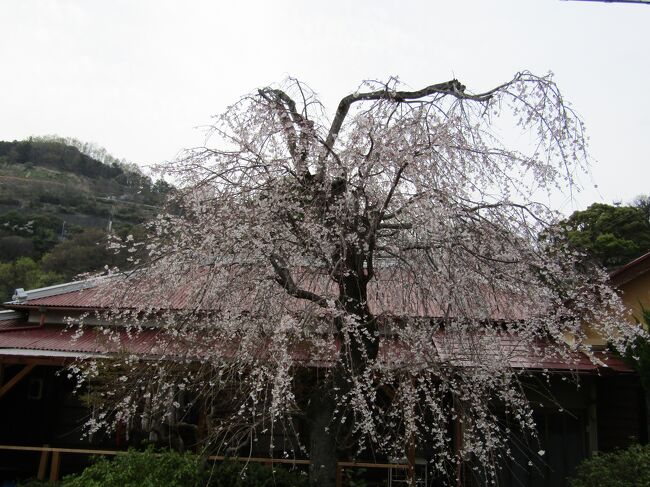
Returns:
<point x="635" y="295"/>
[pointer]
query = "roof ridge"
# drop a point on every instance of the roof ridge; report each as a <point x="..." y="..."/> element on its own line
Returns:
<point x="631" y="270"/>
<point x="21" y="296"/>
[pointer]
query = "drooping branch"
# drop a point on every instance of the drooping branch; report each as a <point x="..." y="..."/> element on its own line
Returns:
<point x="510" y="204"/>
<point x="398" y="211"/>
<point x="395" y="226"/>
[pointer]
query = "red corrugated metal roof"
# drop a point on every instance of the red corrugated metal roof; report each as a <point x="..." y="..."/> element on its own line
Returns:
<point x="62" y="339"/>
<point x="390" y="295"/>
<point x="84" y="298"/>
<point x="14" y="324"/>
<point x="146" y="342"/>
<point x="453" y="350"/>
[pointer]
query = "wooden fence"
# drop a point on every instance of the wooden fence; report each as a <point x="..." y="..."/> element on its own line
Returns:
<point x="56" y="454"/>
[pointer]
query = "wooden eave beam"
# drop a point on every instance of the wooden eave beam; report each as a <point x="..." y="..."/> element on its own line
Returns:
<point x="16" y="379"/>
<point x="30" y="360"/>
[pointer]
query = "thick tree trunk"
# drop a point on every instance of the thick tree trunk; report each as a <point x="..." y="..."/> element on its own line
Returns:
<point x="322" y="440"/>
<point x="357" y="350"/>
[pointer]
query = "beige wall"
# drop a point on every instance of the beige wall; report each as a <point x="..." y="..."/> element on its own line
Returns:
<point x="636" y="293"/>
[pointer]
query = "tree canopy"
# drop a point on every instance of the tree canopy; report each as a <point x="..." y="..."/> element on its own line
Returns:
<point x="611" y="234"/>
<point x="26" y="273"/>
<point x="359" y="283"/>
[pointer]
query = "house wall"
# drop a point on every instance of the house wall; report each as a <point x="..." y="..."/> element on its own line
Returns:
<point x="635" y="295"/>
<point x="561" y="436"/>
<point x="621" y="417"/>
<point x="41" y="410"/>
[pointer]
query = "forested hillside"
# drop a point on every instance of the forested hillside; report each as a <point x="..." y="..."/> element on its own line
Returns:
<point x="58" y="205"/>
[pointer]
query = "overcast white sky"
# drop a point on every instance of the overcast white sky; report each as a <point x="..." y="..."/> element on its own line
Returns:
<point x="137" y="77"/>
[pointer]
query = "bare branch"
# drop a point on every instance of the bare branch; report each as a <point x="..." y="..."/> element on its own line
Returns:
<point x="453" y="88"/>
<point x="284" y="278"/>
<point x="291" y="119"/>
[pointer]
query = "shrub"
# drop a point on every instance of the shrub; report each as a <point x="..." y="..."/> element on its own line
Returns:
<point x="622" y="468"/>
<point x="238" y="474"/>
<point x="38" y="483"/>
<point x="172" y="469"/>
<point x="141" y="469"/>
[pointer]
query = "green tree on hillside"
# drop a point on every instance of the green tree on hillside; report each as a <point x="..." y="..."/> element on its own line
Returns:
<point x="25" y="273"/>
<point x="613" y="235"/>
<point x="13" y="247"/>
<point x="83" y="252"/>
<point x="41" y="229"/>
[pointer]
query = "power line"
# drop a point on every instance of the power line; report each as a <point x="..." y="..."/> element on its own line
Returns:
<point x="647" y="2"/>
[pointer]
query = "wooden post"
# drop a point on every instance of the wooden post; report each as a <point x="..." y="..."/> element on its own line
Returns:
<point x="339" y="475"/>
<point x="16" y="379"/>
<point x="56" y="465"/>
<point x="42" y="465"/>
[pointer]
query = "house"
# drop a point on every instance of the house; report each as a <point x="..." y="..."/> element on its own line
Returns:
<point x="633" y="280"/>
<point x="42" y="419"/>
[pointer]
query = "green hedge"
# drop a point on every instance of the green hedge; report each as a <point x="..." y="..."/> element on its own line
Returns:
<point x="140" y="469"/>
<point x="622" y="468"/>
<point x="237" y="474"/>
<point x="172" y="469"/>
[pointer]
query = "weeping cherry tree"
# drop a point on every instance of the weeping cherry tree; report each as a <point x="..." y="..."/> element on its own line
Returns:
<point x="352" y="285"/>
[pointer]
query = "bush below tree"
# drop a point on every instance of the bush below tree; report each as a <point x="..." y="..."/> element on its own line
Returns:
<point x="173" y="469"/>
<point x="622" y="468"/>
